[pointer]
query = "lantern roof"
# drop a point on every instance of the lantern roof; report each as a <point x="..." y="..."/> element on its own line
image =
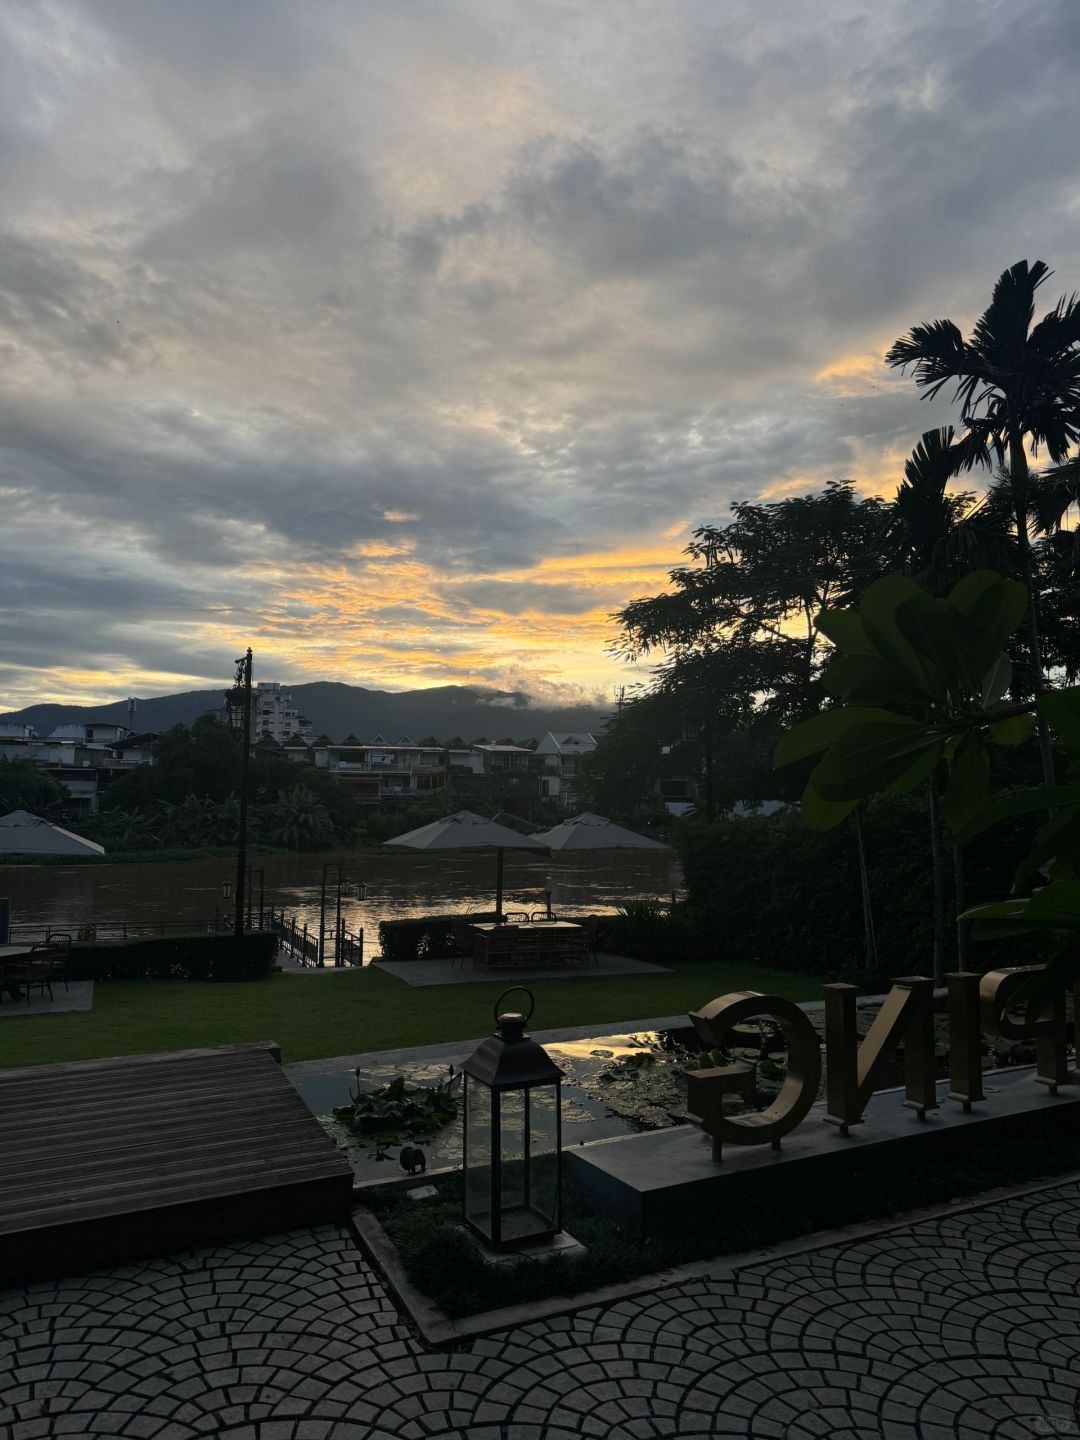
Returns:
<point x="510" y="1059"/>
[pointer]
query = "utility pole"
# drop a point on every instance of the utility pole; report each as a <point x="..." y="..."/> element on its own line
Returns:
<point x="243" y="684"/>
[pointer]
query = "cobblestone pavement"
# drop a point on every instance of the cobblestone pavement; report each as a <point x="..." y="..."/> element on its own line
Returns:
<point x="968" y="1326"/>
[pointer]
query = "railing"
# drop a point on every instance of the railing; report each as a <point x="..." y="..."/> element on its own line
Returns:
<point x="341" y="947"/>
<point x="294" y="938"/>
<point x="34" y="931"/>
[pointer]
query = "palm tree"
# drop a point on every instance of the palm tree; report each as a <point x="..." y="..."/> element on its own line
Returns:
<point x="299" y="820"/>
<point x="937" y="537"/>
<point x="1016" y="386"/>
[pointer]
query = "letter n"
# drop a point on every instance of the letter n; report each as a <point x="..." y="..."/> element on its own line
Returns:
<point x="907" y="1014"/>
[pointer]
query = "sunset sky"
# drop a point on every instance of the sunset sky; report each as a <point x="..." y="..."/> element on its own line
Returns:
<point x="405" y="341"/>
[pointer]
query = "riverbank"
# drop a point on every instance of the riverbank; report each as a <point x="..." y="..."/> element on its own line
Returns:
<point x="314" y="1017"/>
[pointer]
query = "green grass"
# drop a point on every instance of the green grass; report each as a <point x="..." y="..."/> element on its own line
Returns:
<point x="314" y="1016"/>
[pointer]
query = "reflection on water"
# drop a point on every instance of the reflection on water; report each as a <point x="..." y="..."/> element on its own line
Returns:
<point x="399" y="885"/>
<point x="594" y="1106"/>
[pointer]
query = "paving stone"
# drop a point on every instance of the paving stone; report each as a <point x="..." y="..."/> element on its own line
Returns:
<point x="944" y="1328"/>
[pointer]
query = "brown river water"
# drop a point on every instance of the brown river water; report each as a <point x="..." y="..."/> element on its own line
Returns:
<point x="399" y="885"/>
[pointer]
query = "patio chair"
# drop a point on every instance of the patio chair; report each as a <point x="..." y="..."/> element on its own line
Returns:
<point x="462" y="943"/>
<point x="539" y="917"/>
<point x="516" y="917"/>
<point x="45" y="963"/>
<point x="591" y="925"/>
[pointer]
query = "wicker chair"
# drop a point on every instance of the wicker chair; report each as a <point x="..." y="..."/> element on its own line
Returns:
<point x="45" y="963"/>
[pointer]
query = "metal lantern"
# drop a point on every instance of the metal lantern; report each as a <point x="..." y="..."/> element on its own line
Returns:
<point x="513" y="1135"/>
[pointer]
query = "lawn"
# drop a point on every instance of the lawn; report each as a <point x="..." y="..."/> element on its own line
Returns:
<point x="313" y="1016"/>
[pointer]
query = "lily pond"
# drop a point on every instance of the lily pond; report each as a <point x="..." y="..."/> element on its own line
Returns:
<point x="614" y="1085"/>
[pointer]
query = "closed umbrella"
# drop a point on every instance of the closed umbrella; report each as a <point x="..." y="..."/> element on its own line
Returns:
<point x="595" y="832"/>
<point x="466" y="831"/>
<point x="24" y="834"/>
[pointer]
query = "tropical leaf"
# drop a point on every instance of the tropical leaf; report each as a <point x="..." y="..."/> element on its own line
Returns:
<point x="822" y="730"/>
<point x="969" y="782"/>
<point x="876" y="756"/>
<point x="846" y="630"/>
<point x="869" y="680"/>
<point x="819" y="813"/>
<point x="1021" y="802"/>
<point x="1055" y="907"/>
<point x="992" y="620"/>
<point x="1014" y="731"/>
<point x="927" y="626"/>
<point x="877" y="610"/>
<point x="994" y="684"/>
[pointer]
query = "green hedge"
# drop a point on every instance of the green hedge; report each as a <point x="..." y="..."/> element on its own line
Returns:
<point x="175" y="957"/>
<point x="424" y="937"/>
<point x="768" y="891"/>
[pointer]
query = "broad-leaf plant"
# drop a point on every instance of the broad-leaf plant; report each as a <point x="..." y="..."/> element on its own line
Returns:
<point x="921" y="690"/>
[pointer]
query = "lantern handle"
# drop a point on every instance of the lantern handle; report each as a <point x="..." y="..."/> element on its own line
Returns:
<point x="502" y="997"/>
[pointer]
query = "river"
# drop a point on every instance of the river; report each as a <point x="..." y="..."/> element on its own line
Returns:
<point x="399" y="885"/>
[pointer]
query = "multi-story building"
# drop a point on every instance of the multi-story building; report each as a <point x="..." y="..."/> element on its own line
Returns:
<point x="558" y="760"/>
<point x="84" y="758"/>
<point x="273" y="713"/>
<point x="377" y="770"/>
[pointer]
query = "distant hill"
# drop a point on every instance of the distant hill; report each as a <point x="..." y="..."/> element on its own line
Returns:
<point x="338" y="710"/>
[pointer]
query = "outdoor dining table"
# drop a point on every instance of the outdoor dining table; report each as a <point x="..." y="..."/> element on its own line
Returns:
<point x="540" y="942"/>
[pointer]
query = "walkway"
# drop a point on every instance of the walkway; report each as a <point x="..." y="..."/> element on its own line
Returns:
<point x="967" y="1326"/>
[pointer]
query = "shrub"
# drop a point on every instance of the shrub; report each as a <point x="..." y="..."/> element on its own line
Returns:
<point x="175" y="957"/>
<point x="649" y="930"/>
<point x="765" y="890"/>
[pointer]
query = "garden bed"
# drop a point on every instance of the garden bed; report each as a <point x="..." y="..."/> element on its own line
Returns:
<point x="421" y="1245"/>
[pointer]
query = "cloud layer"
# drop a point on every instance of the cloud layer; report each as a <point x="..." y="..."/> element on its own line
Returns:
<point x="405" y="343"/>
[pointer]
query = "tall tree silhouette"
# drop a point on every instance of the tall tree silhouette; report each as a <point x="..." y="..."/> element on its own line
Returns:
<point x="1017" y="386"/>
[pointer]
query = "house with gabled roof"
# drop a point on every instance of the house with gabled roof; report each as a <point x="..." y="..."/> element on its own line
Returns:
<point x="559" y="765"/>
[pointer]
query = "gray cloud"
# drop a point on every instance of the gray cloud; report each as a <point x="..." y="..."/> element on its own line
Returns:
<point x="315" y="312"/>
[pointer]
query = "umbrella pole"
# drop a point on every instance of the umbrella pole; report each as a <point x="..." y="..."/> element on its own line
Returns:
<point x="498" y="886"/>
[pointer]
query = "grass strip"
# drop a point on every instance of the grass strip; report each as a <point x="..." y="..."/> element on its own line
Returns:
<point x="314" y="1017"/>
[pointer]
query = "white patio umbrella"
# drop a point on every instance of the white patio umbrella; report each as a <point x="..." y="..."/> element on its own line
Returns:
<point x="24" y="834"/>
<point x="595" y="832"/>
<point x="465" y="830"/>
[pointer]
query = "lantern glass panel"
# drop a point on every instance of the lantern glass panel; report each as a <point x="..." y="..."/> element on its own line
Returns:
<point x="544" y="1155"/>
<point x="513" y="1180"/>
<point x="478" y="1155"/>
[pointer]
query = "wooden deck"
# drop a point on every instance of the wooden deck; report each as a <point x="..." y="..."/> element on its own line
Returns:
<point x="102" y="1160"/>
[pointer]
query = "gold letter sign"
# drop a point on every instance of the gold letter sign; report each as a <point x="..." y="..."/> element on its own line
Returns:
<point x="851" y="1068"/>
<point x="706" y="1088"/>
<point x="906" y="1016"/>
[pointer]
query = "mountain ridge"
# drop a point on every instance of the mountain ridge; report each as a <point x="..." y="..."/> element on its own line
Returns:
<point x="337" y="709"/>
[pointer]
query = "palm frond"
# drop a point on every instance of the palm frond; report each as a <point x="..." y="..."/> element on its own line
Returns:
<point x="938" y="353"/>
<point x="1053" y="492"/>
<point x="1059" y="329"/>
<point x="1001" y="331"/>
